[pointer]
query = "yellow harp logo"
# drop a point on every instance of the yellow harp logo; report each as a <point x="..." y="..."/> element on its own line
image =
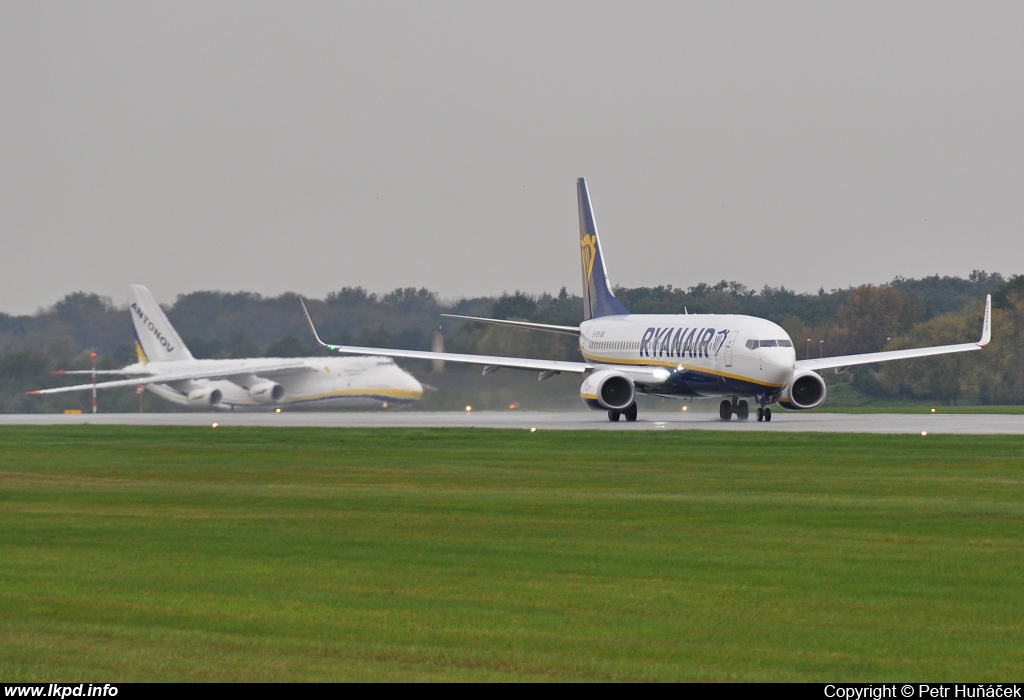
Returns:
<point x="588" y="248"/>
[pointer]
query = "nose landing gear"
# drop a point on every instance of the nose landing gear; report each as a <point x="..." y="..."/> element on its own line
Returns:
<point x="763" y="412"/>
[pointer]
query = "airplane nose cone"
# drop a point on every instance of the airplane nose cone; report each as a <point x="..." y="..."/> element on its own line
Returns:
<point x="414" y="388"/>
<point x="778" y="366"/>
<point x="418" y="391"/>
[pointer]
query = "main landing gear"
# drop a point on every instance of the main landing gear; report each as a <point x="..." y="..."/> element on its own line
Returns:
<point x="629" y="413"/>
<point x="740" y="408"/>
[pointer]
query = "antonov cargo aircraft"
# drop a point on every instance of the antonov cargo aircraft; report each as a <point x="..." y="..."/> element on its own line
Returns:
<point x="167" y="369"/>
<point x="690" y="355"/>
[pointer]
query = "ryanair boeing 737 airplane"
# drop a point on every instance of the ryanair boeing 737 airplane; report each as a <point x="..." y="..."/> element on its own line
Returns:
<point x="732" y="357"/>
<point x="167" y="368"/>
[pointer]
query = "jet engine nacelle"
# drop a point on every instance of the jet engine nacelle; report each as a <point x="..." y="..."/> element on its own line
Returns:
<point x="806" y="390"/>
<point x="608" y="390"/>
<point x="204" y="397"/>
<point x="266" y="392"/>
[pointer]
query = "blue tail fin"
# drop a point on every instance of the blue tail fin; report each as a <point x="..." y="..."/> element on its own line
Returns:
<point x="598" y="299"/>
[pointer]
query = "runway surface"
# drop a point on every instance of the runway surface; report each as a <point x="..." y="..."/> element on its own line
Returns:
<point x="591" y="420"/>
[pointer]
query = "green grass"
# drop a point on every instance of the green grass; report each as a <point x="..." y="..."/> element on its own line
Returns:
<point x="317" y="554"/>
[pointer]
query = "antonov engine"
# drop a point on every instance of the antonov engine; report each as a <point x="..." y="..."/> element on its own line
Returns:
<point x="206" y="396"/>
<point x="266" y="392"/>
<point x="806" y="390"/>
<point x="609" y="390"/>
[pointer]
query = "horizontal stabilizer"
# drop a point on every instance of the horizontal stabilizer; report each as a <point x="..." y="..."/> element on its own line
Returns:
<point x="567" y="330"/>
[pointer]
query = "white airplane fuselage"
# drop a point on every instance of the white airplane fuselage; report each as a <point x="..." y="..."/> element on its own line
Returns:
<point x="171" y="372"/>
<point x="686" y="355"/>
<point x="324" y="383"/>
<point x="699" y="354"/>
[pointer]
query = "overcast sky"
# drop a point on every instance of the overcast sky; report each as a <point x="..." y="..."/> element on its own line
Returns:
<point x="304" y="147"/>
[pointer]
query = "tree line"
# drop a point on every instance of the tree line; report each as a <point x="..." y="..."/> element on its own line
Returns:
<point x="902" y="313"/>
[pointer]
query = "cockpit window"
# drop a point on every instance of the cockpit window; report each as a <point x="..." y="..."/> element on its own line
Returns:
<point x="753" y="344"/>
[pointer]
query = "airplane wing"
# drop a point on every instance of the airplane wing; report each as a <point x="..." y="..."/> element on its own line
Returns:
<point x="870" y="357"/>
<point x="98" y="372"/>
<point x="267" y="369"/>
<point x="640" y="375"/>
<point x="494" y="361"/>
<point x="567" y="330"/>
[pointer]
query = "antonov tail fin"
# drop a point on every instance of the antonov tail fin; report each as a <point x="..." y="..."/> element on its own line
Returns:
<point x="155" y="337"/>
<point x="598" y="299"/>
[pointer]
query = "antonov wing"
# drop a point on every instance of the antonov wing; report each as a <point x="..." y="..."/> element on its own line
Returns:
<point x="868" y="358"/>
<point x="98" y="372"/>
<point x="494" y="361"/>
<point x="268" y="369"/>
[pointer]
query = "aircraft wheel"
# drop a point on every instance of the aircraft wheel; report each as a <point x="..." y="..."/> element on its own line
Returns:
<point x="768" y="414"/>
<point x="760" y="414"/>
<point x="725" y="410"/>
<point x="613" y="416"/>
<point x="743" y="410"/>
<point x="631" y="412"/>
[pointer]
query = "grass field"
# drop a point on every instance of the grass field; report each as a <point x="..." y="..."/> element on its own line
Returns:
<point x="317" y="554"/>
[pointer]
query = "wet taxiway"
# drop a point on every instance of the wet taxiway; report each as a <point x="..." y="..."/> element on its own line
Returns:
<point x="938" y="423"/>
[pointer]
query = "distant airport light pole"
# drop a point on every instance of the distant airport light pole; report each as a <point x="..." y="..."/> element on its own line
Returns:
<point x="821" y="349"/>
<point x="93" y="355"/>
<point x="808" y="353"/>
<point x="437" y="345"/>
